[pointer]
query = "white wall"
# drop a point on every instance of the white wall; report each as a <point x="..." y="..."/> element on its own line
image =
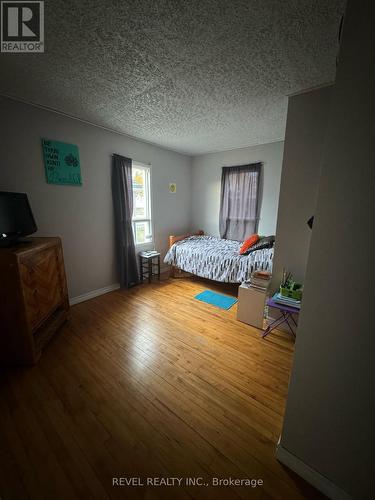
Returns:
<point x="329" y="420"/>
<point x="207" y="181"/>
<point x="83" y="216"/>
<point x="306" y="128"/>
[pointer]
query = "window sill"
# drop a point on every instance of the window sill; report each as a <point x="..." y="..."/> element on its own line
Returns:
<point x="144" y="245"/>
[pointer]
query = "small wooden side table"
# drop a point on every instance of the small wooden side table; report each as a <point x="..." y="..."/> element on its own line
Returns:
<point x="147" y="266"/>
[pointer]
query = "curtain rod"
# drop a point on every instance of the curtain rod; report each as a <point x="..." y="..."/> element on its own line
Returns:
<point x="244" y="164"/>
<point x="136" y="161"/>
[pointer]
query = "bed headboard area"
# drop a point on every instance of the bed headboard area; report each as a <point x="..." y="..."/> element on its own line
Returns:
<point x="174" y="239"/>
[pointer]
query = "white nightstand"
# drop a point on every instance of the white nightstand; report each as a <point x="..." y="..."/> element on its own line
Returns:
<point x="251" y="305"/>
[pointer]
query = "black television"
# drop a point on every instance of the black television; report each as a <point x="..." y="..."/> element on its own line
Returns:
<point x="16" y="218"/>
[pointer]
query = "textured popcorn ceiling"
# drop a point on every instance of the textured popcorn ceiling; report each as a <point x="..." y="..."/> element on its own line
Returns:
<point x="194" y="76"/>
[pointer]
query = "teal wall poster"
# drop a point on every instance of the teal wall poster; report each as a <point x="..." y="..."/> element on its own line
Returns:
<point x="61" y="161"/>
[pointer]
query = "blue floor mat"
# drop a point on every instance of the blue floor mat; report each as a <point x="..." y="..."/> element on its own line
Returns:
<point x="216" y="299"/>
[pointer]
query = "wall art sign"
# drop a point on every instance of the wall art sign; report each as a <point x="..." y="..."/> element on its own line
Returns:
<point x="61" y="161"/>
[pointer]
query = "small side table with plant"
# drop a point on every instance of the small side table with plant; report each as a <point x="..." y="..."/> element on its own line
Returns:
<point x="288" y="301"/>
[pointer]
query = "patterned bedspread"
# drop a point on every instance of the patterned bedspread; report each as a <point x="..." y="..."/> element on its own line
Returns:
<point x="217" y="259"/>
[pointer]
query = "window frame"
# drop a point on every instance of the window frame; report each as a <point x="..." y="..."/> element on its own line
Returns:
<point x="148" y="196"/>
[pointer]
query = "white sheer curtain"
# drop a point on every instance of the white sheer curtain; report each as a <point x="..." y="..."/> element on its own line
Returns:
<point x="239" y="205"/>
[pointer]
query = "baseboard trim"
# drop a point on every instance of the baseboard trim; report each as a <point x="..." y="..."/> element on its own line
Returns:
<point x="93" y="293"/>
<point x="310" y="475"/>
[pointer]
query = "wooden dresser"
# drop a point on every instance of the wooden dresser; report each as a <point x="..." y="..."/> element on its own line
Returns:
<point x="33" y="298"/>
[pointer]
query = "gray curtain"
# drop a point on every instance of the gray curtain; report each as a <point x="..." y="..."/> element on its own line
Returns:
<point x="239" y="204"/>
<point x="122" y="192"/>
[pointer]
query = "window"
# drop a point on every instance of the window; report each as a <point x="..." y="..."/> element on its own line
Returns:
<point x="142" y="226"/>
<point x="239" y="205"/>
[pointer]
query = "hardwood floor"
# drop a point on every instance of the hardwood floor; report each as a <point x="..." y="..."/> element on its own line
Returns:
<point x="148" y="383"/>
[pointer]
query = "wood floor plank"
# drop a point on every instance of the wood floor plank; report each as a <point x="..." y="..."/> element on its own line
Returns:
<point x="148" y="382"/>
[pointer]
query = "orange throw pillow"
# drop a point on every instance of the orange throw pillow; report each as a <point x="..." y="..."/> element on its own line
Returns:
<point x="254" y="238"/>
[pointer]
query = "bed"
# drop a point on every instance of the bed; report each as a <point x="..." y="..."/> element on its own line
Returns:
<point x="216" y="259"/>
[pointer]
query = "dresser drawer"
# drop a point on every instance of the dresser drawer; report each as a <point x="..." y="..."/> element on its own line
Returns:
<point x="42" y="285"/>
<point x="34" y="300"/>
